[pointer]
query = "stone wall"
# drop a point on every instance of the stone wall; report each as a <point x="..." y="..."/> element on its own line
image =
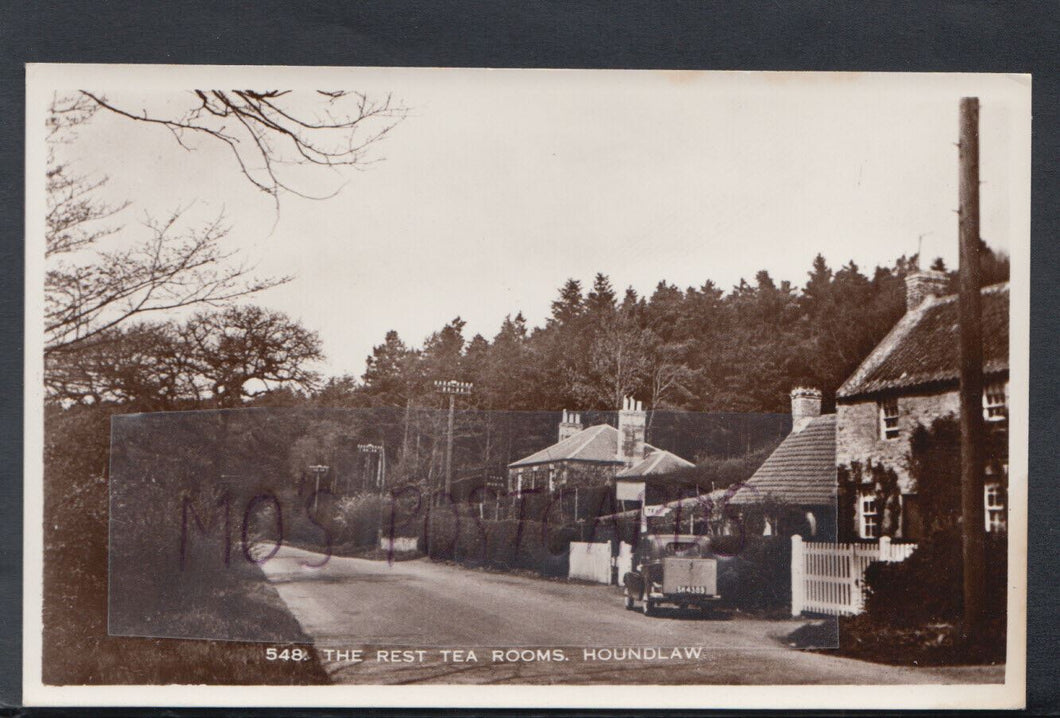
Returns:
<point x="858" y="436"/>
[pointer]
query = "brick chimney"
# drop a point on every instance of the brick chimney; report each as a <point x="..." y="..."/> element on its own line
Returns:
<point x="805" y="407"/>
<point x="632" y="422"/>
<point x="570" y="425"/>
<point x="921" y="284"/>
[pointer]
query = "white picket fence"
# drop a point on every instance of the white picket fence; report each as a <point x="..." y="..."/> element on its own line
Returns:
<point x="828" y="577"/>
<point x="590" y="561"/>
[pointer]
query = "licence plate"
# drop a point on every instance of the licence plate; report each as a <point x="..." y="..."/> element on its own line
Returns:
<point x="692" y="589"/>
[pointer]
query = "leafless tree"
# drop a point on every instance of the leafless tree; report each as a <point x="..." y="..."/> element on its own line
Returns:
<point x="140" y="363"/>
<point x="244" y="351"/>
<point x="169" y="269"/>
<point x="265" y="133"/>
<point x="91" y="286"/>
<point x="213" y="358"/>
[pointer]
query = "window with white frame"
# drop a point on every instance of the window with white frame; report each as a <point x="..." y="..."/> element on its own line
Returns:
<point x="995" y="401"/>
<point x="889" y="419"/>
<point x="868" y="515"/>
<point x="994" y="507"/>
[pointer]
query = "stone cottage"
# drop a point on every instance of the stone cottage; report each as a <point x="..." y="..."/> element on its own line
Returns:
<point x="911" y="378"/>
<point x="583" y="456"/>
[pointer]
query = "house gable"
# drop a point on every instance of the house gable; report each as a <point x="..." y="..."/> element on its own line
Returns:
<point x="800" y="472"/>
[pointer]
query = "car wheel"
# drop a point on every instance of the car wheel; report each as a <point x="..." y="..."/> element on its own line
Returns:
<point x="630" y="603"/>
<point x="648" y="607"/>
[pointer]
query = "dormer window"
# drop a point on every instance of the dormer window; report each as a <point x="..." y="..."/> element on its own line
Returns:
<point x="889" y="419"/>
<point x="995" y="401"/>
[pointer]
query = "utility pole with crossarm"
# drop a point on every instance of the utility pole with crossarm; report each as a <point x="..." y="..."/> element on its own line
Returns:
<point x="380" y="466"/>
<point x="452" y="388"/>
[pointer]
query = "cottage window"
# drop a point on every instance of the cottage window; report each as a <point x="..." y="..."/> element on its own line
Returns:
<point x="889" y="419"/>
<point x="869" y="515"/>
<point x="994" y="507"/>
<point x="995" y="402"/>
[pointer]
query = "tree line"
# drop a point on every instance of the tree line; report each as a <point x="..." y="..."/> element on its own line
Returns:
<point x="695" y="349"/>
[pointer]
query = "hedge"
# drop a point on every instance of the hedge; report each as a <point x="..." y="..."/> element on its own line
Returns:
<point x="506" y="544"/>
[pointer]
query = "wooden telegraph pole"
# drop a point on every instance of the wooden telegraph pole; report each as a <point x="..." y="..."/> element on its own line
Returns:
<point x="451" y="388"/>
<point x="971" y="346"/>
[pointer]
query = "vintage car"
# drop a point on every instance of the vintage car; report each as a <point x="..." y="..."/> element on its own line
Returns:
<point x="679" y="569"/>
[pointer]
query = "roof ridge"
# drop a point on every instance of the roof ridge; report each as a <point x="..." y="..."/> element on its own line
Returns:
<point x="651" y="463"/>
<point x="599" y="429"/>
<point x="891" y="341"/>
<point x="994" y="288"/>
<point x="918" y="349"/>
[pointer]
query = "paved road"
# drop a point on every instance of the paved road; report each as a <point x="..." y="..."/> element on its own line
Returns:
<point x="422" y="607"/>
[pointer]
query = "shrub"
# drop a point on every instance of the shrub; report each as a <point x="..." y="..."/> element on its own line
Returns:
<point x="758" y="576"/>
<point x="913" y="609"/>
<point x="926" y="587"/>
<point x="506" y="544"/>
<point x="357" y="519"/>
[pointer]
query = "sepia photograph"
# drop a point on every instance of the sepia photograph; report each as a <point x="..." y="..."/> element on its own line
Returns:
<point x="409" y="386"/>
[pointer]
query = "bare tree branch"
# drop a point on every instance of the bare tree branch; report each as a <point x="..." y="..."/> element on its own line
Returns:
<point x="95" y="294"/>
<point x="263" y="133"/>
<point x="164" y="272"/>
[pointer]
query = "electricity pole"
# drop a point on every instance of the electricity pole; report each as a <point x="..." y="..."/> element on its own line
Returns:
<point x="971" y="346"/>
<point x="451" y="388"/>
<point x="380" y="465"/>
<point x="319" y="470"/>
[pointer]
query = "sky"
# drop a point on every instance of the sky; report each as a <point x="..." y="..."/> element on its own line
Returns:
<point x="501" y="184"/>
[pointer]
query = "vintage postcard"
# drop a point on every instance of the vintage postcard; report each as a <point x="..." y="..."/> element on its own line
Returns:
<point x="470" y="387"/>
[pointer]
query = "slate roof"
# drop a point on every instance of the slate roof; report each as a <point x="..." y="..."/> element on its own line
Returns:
<point x="596" y="444"/>
<point x="923" y="348"/>
<point x="800" y="472"/>
<point x="658" y="462"/>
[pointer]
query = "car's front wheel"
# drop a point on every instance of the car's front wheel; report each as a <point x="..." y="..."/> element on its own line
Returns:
<point x="630" y="601"/>
<point x="649" y="605"/>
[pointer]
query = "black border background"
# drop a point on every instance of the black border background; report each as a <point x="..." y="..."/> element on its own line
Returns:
<point x="900" y="35"/>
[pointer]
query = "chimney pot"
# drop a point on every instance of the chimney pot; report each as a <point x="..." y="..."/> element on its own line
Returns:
<point x="805" y="407"/>
<point x="631" y="431"/>
<point x="569" y="425"/>
<point x="922" y="284"/>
